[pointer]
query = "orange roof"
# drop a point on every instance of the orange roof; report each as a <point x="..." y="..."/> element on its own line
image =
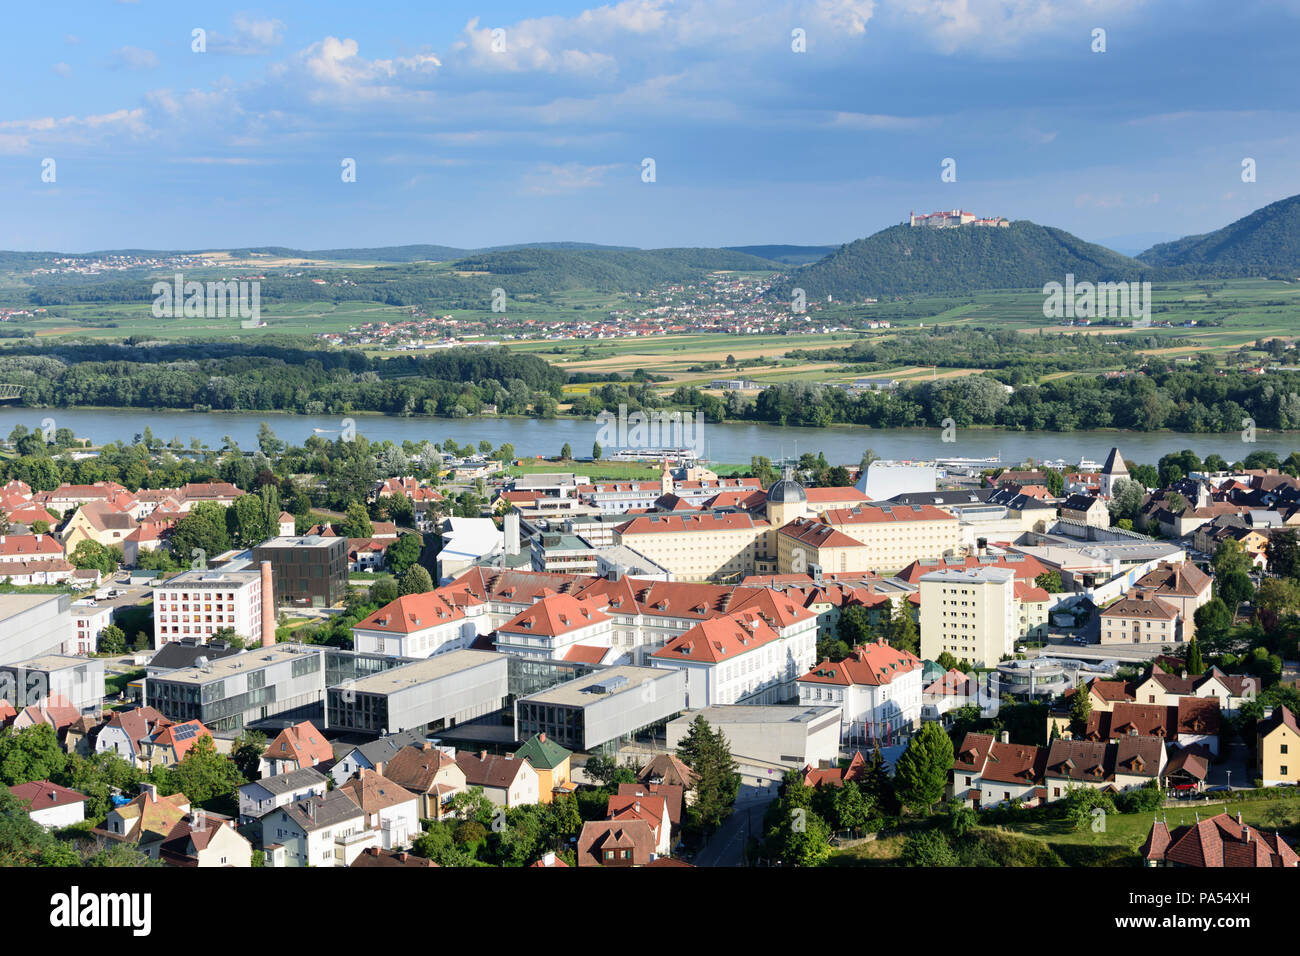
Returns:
<point x="555" y="614"/>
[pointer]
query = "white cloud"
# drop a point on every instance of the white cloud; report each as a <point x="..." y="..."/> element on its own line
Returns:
<point x="551" y="178"/>
<point x="133" y="58"/>
<point x="251" y="37"/>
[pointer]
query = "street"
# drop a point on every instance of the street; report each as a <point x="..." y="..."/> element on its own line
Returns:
<point x="727" y="846"/>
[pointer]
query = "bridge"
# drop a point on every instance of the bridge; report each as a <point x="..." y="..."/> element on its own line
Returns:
<point x="9" y="393"/>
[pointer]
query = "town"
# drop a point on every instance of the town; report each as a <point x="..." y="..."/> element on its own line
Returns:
<point x="350" y="654"/>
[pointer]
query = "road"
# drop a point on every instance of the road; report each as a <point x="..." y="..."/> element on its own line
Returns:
<point x="727" y="846"/>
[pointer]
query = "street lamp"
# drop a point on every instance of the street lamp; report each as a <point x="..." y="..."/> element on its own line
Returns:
<point x="1230" y="781"/>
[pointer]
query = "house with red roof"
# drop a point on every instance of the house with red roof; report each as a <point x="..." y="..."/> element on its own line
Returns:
<point x="296" y="748"/>
<point x="1220" y="841"/>
<point x="989" y="771"/>
<point x="640" y="804"/>
<point x="168" y="745"/>
<point x="50" y="805"/>
<point x="616" y="843"/>
<point x="506" y="781"/>
<point x="876" y="688"/>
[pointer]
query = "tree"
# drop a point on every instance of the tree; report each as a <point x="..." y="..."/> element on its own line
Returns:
<point x="799" y="837"/>
<point x="1213" y="619"/>
<point x="1055" y="482"/>
<point x="30" y="754"/>
<point x="853" y="809"/>
<point x="404" y="552"/>
<point x="596" y="451"/>
<point x="202" y="775"/>
<point x="1080" y="709"/>
<point x="356" y="522"/>
<point x="1283" y="553"/>
<point x="1235" y="588"/>
<point x="854" y="625"/>
<point x="415" y="580"/>
<point x="922" y="770"/>
<point x="902" y="633"/>
<point x="607" y="771"/>
<point x="717" y="783"/>
<point x="91" y="555"/>
<point x="1195" y="664"/>
<point x="1230" y="556"/>
<point x="566" y="453"/>
<point x="1126" y="500"/>
<point x="1278" y="596"/>
<point x="247" y="751"/>
<point x="112" y="640"/>
<point x="384" y="591"/>
<point x="1050" y="581"/>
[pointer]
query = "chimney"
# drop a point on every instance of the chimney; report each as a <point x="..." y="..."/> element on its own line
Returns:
<point x="268" y="606"/>
<point x="548" y="859"/>
<point x="482" y="755"/>
<point x="542" y="737"/>
<point x="511" y="528"/>
<point x="150" y="789"/>
<point x="1005" y="736"/>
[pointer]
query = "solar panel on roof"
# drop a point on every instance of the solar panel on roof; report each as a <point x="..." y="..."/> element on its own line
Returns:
<point x="185" y="732"/>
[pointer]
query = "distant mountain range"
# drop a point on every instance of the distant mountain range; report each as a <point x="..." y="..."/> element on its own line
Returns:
<point x="899" y="260"/>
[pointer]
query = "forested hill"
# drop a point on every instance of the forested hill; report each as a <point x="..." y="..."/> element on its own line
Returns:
<point x="902" y="260"/>
<point x="1265" y="243"/>
<point x="610" y="270"/>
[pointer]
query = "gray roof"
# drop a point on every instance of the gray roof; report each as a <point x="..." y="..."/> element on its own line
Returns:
<point x="176" y="654"/>
<point x="382" y="750"/>
<point x="1114" y="464"/>
<point x="289" y="781"/>
<point x="314" y="813"/>
<point x="786" y="490"/>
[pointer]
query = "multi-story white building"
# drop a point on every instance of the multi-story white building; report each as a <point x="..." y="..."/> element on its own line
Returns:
<point x="554" y="627"/>
<point x="878" y="690"/>
<point x="422" y="625"/>
<point x="897" y="535"/>
<point x="200" y="603"/>
<point x="971" y="614"/>
<point x="88" y="623"/>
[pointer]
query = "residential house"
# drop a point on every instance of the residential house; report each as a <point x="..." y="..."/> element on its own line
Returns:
<point x="616" y="843"/>
<point x="259" y="797"/>
<point x="506" y="781"/>
<point x="390" y="809"/>
<point x="552" y="763"/>
<point x="201" y="839"/>
<point x="326" y="830"/>
<point x="1277" y="748"/>
<point x="147" y="818"/>
<point x="295" y="748"/>
<point x="1220" y="841"/>
<point x="990" y="772"/>
<point x="50" y="805"/>
<point x="429" y="772"/>
<point x="877" y="689"/>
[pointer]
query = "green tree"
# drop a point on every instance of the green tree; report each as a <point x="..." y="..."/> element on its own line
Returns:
<point x="203" y="775"/>
<point x="404" y="552"/>
<point x="566" y="453"/>
<point x="717" y="783"/>
<point x="1080" y="709"/>
<point x="1195" y="664"/>
<point x="1050" y="581"/>
<point x="246" y="751"/>
<point x="854" y="625"/>
<point x="30" y="754"/>
<point x="1283" y="553"/>
<point x="356" y="522"/>
<point x="415" y="580"/>
<point x="112" y="640"/>
<point x="922" y="770"/>
<point x="903" y="633"/>
<point x="383" y="591"/>
<point x="1235" y="588"/>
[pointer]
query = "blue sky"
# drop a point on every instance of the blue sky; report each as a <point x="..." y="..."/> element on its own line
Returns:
<point x="156" y="146"/>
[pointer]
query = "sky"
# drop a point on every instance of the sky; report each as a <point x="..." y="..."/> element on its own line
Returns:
<point x="767" y="121"/>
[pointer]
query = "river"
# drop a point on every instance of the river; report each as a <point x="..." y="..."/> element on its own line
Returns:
<point x="729" y="443"/>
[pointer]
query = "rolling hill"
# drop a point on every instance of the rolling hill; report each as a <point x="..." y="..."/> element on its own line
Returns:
<point x="902" y="260"/>
<point x="1264" y="243"/>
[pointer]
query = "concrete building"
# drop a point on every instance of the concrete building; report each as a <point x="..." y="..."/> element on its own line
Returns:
<point x="78" y="680"/>
<point x="603" y="709"/>
<point x="794" y="736"/>
<point x="452" y="687"/>
<point x="422" y="625"/>
<point x="287" y="681"/>
<point x="34" y="624"/>
<point x="1141" y="618"/>
<point x="971" y="614"/>
<point x="200" y="603"/>
<point x="309" y="570"/>
<point x="88" y="623"/>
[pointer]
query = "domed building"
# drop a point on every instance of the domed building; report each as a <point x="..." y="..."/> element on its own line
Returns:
<point x="786" y="500"/>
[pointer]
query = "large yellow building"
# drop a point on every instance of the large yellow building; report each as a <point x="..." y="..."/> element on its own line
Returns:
<point x="971" y="614"/>
<point x="897" y="535"/>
